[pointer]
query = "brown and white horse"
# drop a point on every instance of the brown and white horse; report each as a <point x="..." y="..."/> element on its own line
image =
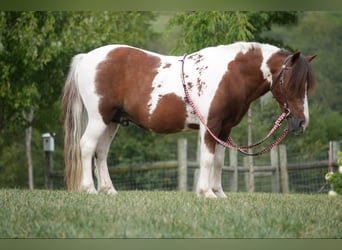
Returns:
<point x="119" y="84"/>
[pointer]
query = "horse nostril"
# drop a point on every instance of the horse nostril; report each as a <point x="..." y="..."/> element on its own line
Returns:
<point x="302" y="125"/>
<point x="297" y="126"/>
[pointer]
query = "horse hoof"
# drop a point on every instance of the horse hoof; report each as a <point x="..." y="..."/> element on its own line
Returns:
<point x="220" y="194"/>
<point x="91" y="191"/>
<point x="206" y="194"/>
<point x="108" y="191"/>
<point x="88" y="189"/>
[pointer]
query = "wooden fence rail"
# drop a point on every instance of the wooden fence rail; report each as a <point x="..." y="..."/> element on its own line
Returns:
<point x="277" y="170"/>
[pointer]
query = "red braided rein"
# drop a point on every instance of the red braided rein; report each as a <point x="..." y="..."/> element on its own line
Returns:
<point x="230" y="142"/>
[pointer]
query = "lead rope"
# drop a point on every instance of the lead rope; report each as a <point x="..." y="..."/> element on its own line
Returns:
<point x="230" y="142"/>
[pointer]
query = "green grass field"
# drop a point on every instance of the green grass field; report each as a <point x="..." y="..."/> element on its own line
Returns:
<point x="158" y="214"/>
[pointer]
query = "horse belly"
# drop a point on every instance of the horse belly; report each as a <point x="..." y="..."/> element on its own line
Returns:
<point x="169" y="116"/>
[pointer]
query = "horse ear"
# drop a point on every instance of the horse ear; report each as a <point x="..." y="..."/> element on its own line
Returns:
<point x="295" y="56"/>
<point x="310" y="58"/>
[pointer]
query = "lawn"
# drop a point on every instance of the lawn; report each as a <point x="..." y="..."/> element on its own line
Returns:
<point x="160" y="214"/>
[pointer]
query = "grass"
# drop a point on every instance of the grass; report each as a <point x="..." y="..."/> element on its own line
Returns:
<point x="159" y="214"/>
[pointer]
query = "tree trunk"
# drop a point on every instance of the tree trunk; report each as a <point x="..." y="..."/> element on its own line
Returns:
<point x="28" y="142"/>
<point x="251" y="186"/>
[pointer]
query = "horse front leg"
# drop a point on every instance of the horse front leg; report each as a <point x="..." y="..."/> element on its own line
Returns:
<point x="216" y="180"/>
<point x="204" y="185"/>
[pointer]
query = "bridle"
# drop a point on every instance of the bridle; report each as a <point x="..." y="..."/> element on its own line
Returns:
<point x="280" y="78"/>
<point x="230" y="142"/>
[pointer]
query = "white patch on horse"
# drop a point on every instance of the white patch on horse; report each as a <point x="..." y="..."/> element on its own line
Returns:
<point x="210" y="77"/>
<point x="245" y="47"/>
<point x="166" y="81"/>
<point x="306" y="109"/>
<point x="267" y="52"/>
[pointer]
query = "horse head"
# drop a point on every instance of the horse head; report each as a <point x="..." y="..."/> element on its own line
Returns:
<point x="294" y="79"/>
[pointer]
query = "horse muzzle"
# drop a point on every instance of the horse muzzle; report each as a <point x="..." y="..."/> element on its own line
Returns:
<point x="297" y="125"/>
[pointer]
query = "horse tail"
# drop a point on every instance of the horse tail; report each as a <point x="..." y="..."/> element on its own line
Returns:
<point x="75" y="120"/>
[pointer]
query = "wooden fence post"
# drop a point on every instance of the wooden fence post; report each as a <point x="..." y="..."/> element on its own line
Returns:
<point x="233" y="162"/>
<point x="275" y="173"/>
<point x="198" y="159"/>
<point x="182" y="164"/>
<point x="334" y="147"/>
<point x="283" y="169"/>
<point x="251" y="181"/>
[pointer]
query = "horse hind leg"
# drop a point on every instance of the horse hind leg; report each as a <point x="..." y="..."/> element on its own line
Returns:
<point x="104" y="182"/>
<point x="89" y="140"/>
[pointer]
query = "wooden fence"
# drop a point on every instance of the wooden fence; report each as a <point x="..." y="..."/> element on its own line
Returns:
<point x="277" y="169"/>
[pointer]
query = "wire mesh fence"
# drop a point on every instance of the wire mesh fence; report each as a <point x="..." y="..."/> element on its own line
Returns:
<point x="307" y="179"/>
<point x="300" y="181"/>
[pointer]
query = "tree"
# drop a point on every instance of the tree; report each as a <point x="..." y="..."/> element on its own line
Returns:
<point x="25" y="51"/>
<point x="210" y="28"/>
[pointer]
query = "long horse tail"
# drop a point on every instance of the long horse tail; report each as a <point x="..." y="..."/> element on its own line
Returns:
<point x="75" y="120"/>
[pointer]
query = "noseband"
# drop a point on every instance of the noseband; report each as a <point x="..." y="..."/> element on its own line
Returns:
<point x="230" y="142"/>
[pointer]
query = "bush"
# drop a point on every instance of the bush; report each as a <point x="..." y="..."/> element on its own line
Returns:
<point x="335" y="178"/>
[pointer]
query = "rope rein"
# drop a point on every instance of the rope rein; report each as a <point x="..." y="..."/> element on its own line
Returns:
<point x="230" y="142"/>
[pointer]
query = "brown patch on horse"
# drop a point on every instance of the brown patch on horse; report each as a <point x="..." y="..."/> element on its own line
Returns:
<point x="234" y="94"/>
<point x="167" y="65"/>
<point x="196" y="57"/>
<point x="275" y="63"/>
<point x="169" y="115"/>
<point x="199" y="86"/>
<point x="302" y="76"/>
<point x="124" y="82"/>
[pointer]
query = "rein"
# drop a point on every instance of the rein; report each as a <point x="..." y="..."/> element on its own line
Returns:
<point x="230" y="142"/>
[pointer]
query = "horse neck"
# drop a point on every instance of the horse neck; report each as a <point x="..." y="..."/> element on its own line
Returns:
<point x="255" y="88"/>
<point x="253" y="80"/>
<point x="259" y="90"/>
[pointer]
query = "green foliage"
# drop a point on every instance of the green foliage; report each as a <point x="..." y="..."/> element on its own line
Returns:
<point x="335" y="178"/>
<point x="210" y="28"/>
<point x="335" y="182"/>
<point x="141" y="214"/>
<point x="263" y="21"/>
<point x="25" y="51"/>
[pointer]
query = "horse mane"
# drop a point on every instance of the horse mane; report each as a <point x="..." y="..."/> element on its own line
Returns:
<point x="302" y="73"/>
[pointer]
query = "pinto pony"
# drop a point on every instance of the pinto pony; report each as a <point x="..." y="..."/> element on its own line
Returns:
<point x="118" y="84"/>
